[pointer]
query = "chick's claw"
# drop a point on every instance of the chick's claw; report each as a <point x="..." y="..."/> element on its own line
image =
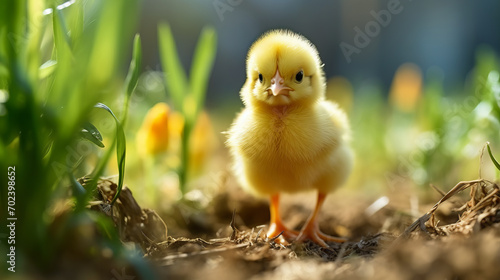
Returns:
<point x="330" y="238"/>
<point x="314" y="234"/>
<point x="311" y="230"/>
<point x="281" y="234"/>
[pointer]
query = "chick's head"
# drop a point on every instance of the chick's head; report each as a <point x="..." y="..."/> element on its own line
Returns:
<point x="283" y="68"/>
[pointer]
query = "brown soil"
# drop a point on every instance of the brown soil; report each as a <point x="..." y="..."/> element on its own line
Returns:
<point x="458" y="238"/>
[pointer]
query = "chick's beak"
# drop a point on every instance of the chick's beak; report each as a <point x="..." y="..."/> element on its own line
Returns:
<point x="278" y="85"/>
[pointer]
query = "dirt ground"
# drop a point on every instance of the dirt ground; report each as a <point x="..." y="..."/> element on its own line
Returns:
<point x="457" y="238"/>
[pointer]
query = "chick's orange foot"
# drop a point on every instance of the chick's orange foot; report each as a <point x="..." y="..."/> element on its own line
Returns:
<point x="311" y="232"/>
<point x="281" y="234"/>
<point x="277" y="230"/>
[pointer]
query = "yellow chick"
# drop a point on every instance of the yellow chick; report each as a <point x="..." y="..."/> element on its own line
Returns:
<point x="288" y="138"/>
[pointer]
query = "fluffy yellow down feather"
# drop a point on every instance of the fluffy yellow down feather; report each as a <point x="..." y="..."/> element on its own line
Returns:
<point x="288" y="138"/>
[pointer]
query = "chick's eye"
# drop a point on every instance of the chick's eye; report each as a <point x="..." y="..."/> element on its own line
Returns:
<point x="299" y="76"/>
<point x="261" y="78"/>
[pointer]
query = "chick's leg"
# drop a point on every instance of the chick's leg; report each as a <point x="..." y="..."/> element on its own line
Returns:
<point x="311" y="228"/>
<point x="277" y="227"/>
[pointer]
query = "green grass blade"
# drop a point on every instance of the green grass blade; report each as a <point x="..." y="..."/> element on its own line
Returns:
<point x="65" y="61"/>
<point x="121" y="151"/>
<point x="135" y="66"/>
<point x="47" y="69"/>
<point x="92" y="129"/>
<point x="175" y="76"/>
<point x="91" y="133"/>
<point x="61" y="28"/>
<point x="3" y="63"/>
<point x="3" y="50"/>
<point x="201" y="67"/>
<point x="495" y="162"/>
<point x="47" y="147"/>
<point x="78" y="189"/>
<point x="36" y="26"/>
<point x="133" y="74"/>
<point x="88" y="136"/>
<point x="74" y="15"/>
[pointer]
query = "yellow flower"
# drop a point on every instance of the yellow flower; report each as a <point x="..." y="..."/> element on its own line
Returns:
<point x="202" y="143"/>
<point x="406" y="87"/>
<point x="161" y="131"/>
<point x="175" y="128"/>
<point x="153" y="135"/>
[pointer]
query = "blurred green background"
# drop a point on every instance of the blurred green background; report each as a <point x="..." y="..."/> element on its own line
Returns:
<point x="412" y="82"/>
<point x="445" y="34"/>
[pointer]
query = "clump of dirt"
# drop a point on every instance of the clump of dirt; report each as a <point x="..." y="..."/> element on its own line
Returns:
<point x="140" y="226"/>
<point x="480" y="212"/>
